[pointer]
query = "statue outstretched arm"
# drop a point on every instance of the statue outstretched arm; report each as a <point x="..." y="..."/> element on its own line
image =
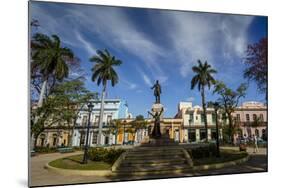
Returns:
<point x="161" y="111"/>
<point x="150" y="113"/>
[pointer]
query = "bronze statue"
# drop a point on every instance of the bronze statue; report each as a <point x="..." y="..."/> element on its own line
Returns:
<point x="157" y="91"/>
<point x="156" y="129"/>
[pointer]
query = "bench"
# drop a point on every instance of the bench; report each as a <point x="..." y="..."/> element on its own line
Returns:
<point x="33" y="153"/>
<point x="65" y="150"/>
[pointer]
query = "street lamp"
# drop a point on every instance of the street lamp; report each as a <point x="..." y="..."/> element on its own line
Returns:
<point x="85" y="158"/>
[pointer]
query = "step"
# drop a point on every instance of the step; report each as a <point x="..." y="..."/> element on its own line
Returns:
<point x="167" y="156"/>
<point x="153" y="168"/>
<point x="141" y="161"/>
<point x="156" y="152"/>
<point x="153" y="148"/>
<point x="157" y="163"/>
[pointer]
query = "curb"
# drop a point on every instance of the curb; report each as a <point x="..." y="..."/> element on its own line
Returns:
<point x="221" y="165"/>
<point x="102" y="173"/>
<point x="78" y="172"/>
<point x="118" y="161"/>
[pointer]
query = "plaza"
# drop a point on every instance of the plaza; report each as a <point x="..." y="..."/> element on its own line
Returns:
<point x="41" y="176"/>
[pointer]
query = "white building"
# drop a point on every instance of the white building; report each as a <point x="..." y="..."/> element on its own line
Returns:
<point x="193" y="122"/>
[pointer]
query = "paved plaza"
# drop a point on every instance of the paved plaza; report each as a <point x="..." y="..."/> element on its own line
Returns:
<point x="41" y="176"/>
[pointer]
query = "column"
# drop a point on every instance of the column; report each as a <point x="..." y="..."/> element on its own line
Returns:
<point x="209" y="134"/>
<point x="197" y="133"/>
<point x="186" y="135"/>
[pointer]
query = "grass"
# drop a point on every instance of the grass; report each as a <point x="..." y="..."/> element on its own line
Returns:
<point x="75" y="162"/>
<point x="226" y="156"/>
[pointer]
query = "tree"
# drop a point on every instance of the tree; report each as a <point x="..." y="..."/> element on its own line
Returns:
<point x="139" y="123"/>
<point x="229" y="100"/>
<point x="216" y="106"/>
<point x="103" y="71"/>
<point x="73" y="96"/>
<point x="202" y="79"/>
<point x="49" y="59"/>
<point x="115" y="128"/>
<point x="61" y="108"/>
<point x="256" y="61"/>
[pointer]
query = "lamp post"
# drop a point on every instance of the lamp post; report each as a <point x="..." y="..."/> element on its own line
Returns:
<point x="85" y="158"/>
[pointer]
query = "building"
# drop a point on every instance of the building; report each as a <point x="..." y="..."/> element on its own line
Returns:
<point x="193" y="126"/>
<point x="251" y="118"/>
<point x="186" y="127"/>
<point x="113" y="109"/>
<point x="75" y="134"/>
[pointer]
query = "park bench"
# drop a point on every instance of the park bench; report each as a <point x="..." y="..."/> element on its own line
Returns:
<point x="33" y="153"/>
<point x="65" y="150"/>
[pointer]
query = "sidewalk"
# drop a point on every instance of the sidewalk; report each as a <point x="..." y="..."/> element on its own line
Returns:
<point x="250" y="150"/>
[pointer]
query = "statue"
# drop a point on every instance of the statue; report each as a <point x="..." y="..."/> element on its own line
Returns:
<point x="157" y="92"/>
<point x="156" y="129"/>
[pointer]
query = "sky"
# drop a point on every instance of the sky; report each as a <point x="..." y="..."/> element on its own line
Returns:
<point x="154" y="45"/>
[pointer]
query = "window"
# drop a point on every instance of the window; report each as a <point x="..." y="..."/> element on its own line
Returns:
<point x="202" y="134"/>
<point x="109" y="118"/>
<point x="82" y="138"/>
<point x="191" y="135"/>
<point x="97" y="119"/>
<point x="213" y="134"/>
<point x="254" y="117"/>
<point x="190" y="118"/>
<point x="247" y="117"/>
<point x="84" y="120"/>
<point x="213" y="117"/>
<point x="95" y="138"/>
<point x="202" y="118"/>
<point x="54" y="139"/>
<point x="261" y="117"/>
<point x="238" y="117"/>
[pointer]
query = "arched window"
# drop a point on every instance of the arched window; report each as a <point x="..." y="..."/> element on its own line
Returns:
<point x="55" y="138"/>
<point x="42" y="139"/>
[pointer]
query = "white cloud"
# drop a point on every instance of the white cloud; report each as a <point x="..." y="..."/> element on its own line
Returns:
<point x="190" y="99"/>
<point x="85" y="44"/>
<point x="202" y="36"/>
<point x="147" y="80"/>
<point x="129" y="85"/>
<point x="191" y="36"/>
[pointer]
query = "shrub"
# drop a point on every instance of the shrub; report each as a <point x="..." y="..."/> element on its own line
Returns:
<point x="106" y="155"/>
<point x="45" y="150"/>
<point x="203" y="151"/>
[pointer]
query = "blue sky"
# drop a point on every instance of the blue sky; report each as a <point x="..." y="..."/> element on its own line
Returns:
<point x="154" y="45"/>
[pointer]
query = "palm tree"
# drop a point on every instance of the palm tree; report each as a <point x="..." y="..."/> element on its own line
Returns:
<point x="49" y="58"/>
<point x="203" y="78"/>
<point x="103" y="71"/>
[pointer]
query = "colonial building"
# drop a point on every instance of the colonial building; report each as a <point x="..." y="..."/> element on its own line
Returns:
<point x="113" y="109"/>
<point x="186" y="127"/>
<point x="193" y="127"/>
<point x="251" y="118"/>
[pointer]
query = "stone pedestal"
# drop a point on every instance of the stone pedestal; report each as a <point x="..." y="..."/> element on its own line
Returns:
<point x="157" y="108"/>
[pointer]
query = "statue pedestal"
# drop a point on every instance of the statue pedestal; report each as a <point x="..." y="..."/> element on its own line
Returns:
<point x="157" y="108"/>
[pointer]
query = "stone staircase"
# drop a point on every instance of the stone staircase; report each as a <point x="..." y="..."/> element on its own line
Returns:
<point x="154" y="159"/>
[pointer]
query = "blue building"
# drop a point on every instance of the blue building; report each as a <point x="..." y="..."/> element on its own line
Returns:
<point x="113" y="109"/>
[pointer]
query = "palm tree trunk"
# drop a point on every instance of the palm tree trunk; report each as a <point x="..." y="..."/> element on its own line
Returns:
<point x="204" y="111"/>
<point x="101" y="114"/>
<point x="230" y="127"/>
<point x="42" y="92"/>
